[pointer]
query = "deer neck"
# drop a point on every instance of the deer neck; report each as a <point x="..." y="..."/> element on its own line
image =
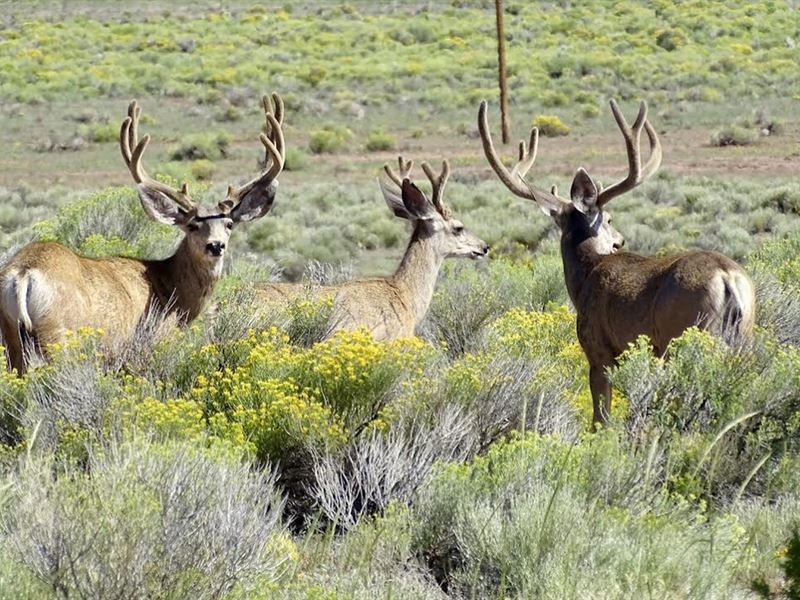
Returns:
<point x="579" y="258"/>
<point x="418" y="271"/>
<point x="182" y="283"/>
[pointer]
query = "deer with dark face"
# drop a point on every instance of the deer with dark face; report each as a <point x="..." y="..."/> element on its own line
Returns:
<point x="619" y="296"/>
<point x="46" y="289"/>
<point x="392" y="307"/>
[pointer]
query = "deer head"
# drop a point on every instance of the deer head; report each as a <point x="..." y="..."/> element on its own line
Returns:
<point x="583" y="218"/>
<point x="433" y="219"/>
<point x="207" y="229"/>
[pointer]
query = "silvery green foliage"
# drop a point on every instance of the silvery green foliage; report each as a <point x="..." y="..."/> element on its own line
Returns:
<point x="149" y="521"/>
<point x="379" y="467"/>
<point x="778" y="307"/>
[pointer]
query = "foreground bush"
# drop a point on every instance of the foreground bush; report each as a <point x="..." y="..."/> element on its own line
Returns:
<point x="517" y="521"/>
<point x="146" y="521"/>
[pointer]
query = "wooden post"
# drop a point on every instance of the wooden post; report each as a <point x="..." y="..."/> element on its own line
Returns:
<point x="501" y="59"/>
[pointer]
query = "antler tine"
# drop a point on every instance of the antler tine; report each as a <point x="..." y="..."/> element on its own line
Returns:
<point x="405" y="170"/>
<point x="514" y="179"/>
<point x="652" y="164"/>
<point x="129" y="137"/>
<point x="437" y="183"/>
<point x="275" y="133"/>
<point x="632" y="136"/>
<point x="274" y="148"/>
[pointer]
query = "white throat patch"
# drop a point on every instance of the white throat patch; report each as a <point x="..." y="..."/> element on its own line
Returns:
<point x="596" y="222"/>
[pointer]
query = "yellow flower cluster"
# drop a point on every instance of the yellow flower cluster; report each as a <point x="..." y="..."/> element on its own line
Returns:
<point x="271" y="415"/>
<point x="82" y="342"/>
<point x="174" y="418"/>
<point x="536" y="332"/>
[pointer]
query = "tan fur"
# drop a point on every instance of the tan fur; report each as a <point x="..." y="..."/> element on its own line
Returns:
<point x="66" y="291"/>
<point x="392" y="307"/>
<point x="48" y="290"/>
<point x="389" y="307"/>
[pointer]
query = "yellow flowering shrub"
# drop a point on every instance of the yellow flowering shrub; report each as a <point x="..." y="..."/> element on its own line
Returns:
<point x="350" y="372"/>
<point x="12" y="390"/>
<point x="308" y="319"/>
<point x="549" y="338"/>
<point x="174" y="418"/>
<point x="270" y="416"/>
<point x="283" y="396"/>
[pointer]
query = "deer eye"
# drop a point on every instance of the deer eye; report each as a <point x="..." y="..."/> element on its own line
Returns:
<point x="194" y="226"/>
<point x="229" y="225"/>
<point x="458" y="229"/>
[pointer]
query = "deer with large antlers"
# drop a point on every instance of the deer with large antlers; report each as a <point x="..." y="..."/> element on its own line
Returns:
<point x="620" y="296"/>
<point x="392" y="307"/>
<point x="46" y="289"/>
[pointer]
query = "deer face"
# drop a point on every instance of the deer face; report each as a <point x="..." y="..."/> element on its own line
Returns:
<point x="208" y="230"/>
<point x="586" y="222"/>
<point x="453" y="240"/>
<point x="448" y="235"/>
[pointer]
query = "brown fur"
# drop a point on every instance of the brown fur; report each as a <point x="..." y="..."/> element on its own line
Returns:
<point x="620" y="296"/>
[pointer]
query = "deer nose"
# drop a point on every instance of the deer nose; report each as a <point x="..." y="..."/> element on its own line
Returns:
<point x="486" y="248"/>
<point x="215" y="248"/>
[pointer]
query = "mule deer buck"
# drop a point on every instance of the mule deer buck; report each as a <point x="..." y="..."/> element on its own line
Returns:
<point x="46" y="289"/>
<point x="619" y="296"/>
<point x="392" y="307"/>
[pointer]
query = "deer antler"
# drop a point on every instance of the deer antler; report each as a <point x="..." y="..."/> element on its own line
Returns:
<point x="274" y="147"/>
<point x="405" y="171"/>
<point x="129" y="138"/>
<point x="514" y="180"/>
<point x="637" y="172"/>
<point x="437" y="185"/>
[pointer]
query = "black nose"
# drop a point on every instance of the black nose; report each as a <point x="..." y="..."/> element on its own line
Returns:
<point x="215" y="248"/>
<point x="486" y="248"/>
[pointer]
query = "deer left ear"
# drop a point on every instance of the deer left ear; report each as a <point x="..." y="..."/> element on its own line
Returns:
<point x="583" y="192"/>
<point x="415" y="201"/>
<point x="255" y="203"/>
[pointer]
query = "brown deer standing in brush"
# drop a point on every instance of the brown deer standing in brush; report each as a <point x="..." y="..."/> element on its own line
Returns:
<point x="392" y="307"/>
<point x="46" y="289"/>
<point x="620" y="296"/>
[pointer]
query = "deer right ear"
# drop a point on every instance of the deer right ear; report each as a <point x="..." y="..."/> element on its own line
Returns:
<point x="160" y="208"/>
<point x="583" y="192"/>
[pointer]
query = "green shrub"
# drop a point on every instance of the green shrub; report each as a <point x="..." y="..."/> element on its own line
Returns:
<point x="379" y="140"/>
<point x="105" y="533"/>
<point x="107" y="222"/>
<point x="550" y="125"/>
<point x="671" y="39"/>
<point x="515" y="522"/>
<point x="199" y="146"/>
<point x="329" y="139"/>
<point x="99" y="133"/>
<point x="733" y="135"/>
<point x="780" y="257"/>
<point x="296" y="159"/>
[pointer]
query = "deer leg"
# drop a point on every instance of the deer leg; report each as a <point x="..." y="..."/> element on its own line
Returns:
<point x="601" y="394"/>
<point x="13" y="343"/>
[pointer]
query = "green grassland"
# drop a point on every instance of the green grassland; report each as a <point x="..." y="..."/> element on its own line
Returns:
<point x="241" y="457"/>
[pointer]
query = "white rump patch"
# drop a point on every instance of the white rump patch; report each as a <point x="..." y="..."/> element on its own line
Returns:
<point x="26" y="298"/>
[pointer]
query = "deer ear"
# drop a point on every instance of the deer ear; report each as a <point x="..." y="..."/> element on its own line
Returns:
<point x="160" y="208"/>
<point x="583" y="192"/>
<point x="394" y="201"/>
<point x="415" y="201"/>
<point x="256" y="202"/>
